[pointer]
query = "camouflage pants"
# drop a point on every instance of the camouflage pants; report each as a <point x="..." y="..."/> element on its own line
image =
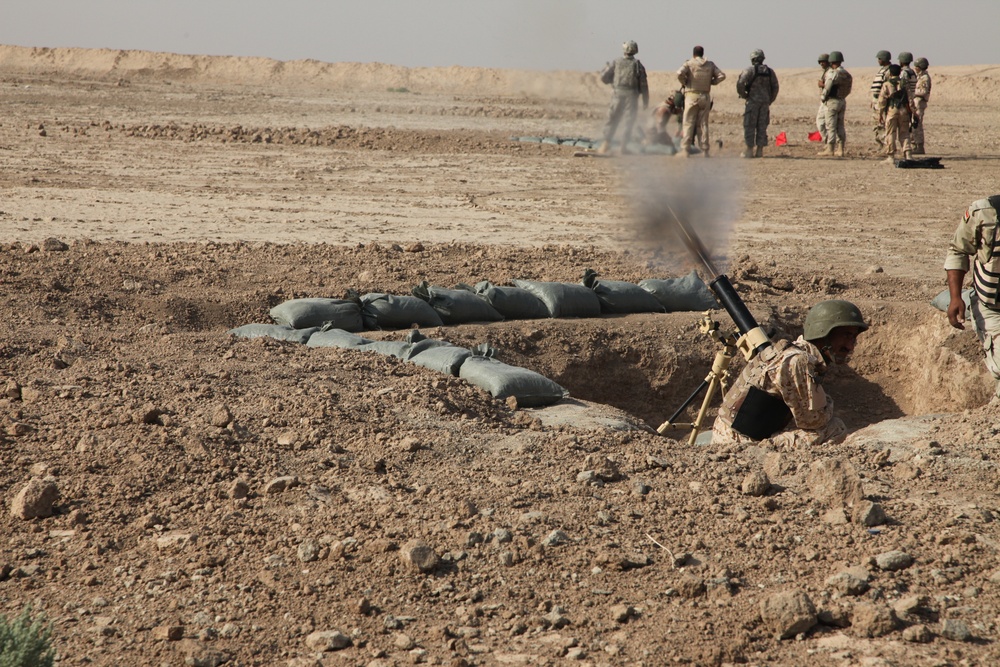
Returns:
<point x="878" y="128"/>
<point x="917" y="134"/>
<point x="821" y="121"/>
<point x="986" y="322"/>
<point x="696" y="109"/>
<point x="623" y="105"/>
<point x="756" y="118"/>
<point x="833" y="432"/>
<point x="897" y="130"/>
<point x="835" y="131"/>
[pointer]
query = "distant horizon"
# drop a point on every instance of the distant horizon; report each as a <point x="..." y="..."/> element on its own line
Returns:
<point x="535" y="35"/>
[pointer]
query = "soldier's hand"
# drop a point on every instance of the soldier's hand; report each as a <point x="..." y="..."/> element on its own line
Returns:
<point x="956" y="313"/>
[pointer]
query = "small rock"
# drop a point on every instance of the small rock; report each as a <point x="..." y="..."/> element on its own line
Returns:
<point x="170" y="633"/>
<point x="690" y="586"/>
<point x="555" y="538"/>
<point x="622" y="613"/>
<point x="36" y="499"/>
<point x="847" y="583"/>
<point x="414" y="247"/>
<point x="308" y="552"/>
<point x="873" y="620"/>
<point x="12" y="390"/>
<point x="835" y="517"/>
<point x="955" y="630"/>
<point x="909" y="605"/>
<point x="835" y="482"/>
<point x="557" y="618"/>
<point x="418" y="555"/>
<point x="755" y="484"/>
<point x="869" y="514"/>
<point x="891" y="561"/>
<point x="404" y="642"/>
<point x="221" y="417"/>
<point x="176" y="539"/>
<point x="788" y="613"/>
<point x="53" y="244"/>
<point x="238" y="490"/>
<point x="280" y="484"/>
<point x="327" y="640"/>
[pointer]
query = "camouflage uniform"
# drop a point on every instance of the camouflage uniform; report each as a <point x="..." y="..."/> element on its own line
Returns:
<point x="697" y="76"/>
<point x="921" y="96"/>
<point x="671" y="107"/>
<point x="835" y="100"/>
<point x="790" y="371"/>
<point x="879" y="129"/>
<point x="977" y="237"/>
<point x="629" y="84"/>
<point x="758" y="85"/>
<point x="894" y="110"/>
<point x="821" y="113"/>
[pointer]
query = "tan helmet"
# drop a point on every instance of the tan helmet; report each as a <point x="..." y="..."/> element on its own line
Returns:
<point x="630" y="48"/>
<point x="921" y="63"/>
<point x="828" y="315"/>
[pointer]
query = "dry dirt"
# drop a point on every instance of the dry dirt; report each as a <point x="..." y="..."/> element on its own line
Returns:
<point x="221" y="501"/>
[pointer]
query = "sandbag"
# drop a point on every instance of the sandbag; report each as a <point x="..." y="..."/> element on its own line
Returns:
<point x="457" y="306"/>
<point x="564" y="299"/>
<point x="277" y="331"/>
<point x="386" y="311"/>
<point x="390" y="348"/>
<point x="416" y="347"/>
<point x="513" y="303"/>
<point x="502" y="381"/>
<point x="316" y="312"/>
<point x="676" y="294"/>
<point x="618" y="296"/>
<point x="942" y="300"/>
<point x="446" y="359"/>
<point x="336" y="338"/>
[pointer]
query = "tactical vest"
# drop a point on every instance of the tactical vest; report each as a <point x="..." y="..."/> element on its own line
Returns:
<point x="627" y="74"/>
<point x="749" y="407"/>
<point x="986" y="268"/>
<point x="842" y="84"/>
<point x="899" y="97"/>
<point x="701" y="75"/>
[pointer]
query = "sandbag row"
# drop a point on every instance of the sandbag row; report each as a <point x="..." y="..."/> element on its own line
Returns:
<point x="433" y="306"/>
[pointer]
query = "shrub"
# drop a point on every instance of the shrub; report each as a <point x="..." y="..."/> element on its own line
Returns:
<point x="25" y="642"/>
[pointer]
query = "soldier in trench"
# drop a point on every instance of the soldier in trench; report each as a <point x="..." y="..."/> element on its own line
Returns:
<point x="779" y="396"/>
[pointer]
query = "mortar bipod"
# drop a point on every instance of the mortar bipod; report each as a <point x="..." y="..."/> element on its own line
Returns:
<point x="716" y="380"/>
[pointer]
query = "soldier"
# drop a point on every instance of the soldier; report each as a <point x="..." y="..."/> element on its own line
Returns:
<point x="779" y="395"/>
<point x="628" y="77"/>
<point x="671" y="107"/>
<point x="883" y="58"/>
<point x="906" y="74"/>
<point x="976" y="241"/>
<point x="697" y="76"/>
<point x="824" y="63"/>
<point x="921" y="96"/>
<point x="837" y="83"/>
<point x="758" y="85"/>
<point x="894" y="113"/>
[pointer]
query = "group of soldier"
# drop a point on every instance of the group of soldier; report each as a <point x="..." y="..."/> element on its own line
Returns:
<point x="779" y="395"/>
<point x="899" y="97"/>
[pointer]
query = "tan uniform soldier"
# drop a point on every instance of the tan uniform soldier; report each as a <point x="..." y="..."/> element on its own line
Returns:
<point x="921" y="96"/>
<point x="824" y="63"/>
<point x="894" y="111"/>
<point x="697" y="76"/>
<point x="837" y="83"/>
<point x="884" y="59"/>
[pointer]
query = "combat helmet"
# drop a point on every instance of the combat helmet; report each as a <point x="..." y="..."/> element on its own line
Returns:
<point x="823" y="58"/>
<point x="756" y="56"/>
<point x="905" y="58"/>
<point x="883" y="55"/>
<point x="828" y="315"/>
<point x="836" y="57"/>
<point x="630" y="48"/>
<point x="921" y="63"/>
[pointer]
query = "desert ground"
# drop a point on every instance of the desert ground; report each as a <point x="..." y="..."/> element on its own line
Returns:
<point x="209" y="500"/>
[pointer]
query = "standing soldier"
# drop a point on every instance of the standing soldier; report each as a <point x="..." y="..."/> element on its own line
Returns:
<point x="921" y="96"/>
<point x="837" y="84"/>
<point x="697" y="76"/>
<point x="824" y="63"/>
<point x="883" y="58"/>
<point x="758" y="85"/>
<point x="906" y="73"/>
<point x="894" y="112"/>
<point x="976" y="242"/>
<point x="628" y="77"/>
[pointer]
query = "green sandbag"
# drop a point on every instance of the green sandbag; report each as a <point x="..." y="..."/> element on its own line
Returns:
<point x="276" y="331"/>
<point x="336" y="338"/>
<point x="390" y="348"/>
<point x="502" y="381"/>
<point x="446" y="359"/>
<point x="564" y="299"/>
<point x="942" y="300"/>
<point x="387" y="311"/>
<point x="317" y="312"/>
<point x="618" y="296"/>
<point x="678" y="294"/>
<point x="514" y="303"/>
<point x="457" y="306"/>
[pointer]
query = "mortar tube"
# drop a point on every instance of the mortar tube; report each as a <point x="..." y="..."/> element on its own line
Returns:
<point x="738" y="311"/>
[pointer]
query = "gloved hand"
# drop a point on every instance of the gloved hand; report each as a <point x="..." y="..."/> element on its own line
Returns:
<point x="914" y="122"/>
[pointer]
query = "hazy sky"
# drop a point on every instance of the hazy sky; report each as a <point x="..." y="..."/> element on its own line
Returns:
<point x="522" y="34"/>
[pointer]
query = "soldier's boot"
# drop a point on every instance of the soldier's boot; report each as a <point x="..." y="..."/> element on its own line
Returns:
<point x="747" y="152"/>
<point x="907" y="155"/>
<point x="759" y="152"/>
<point x="682" y="152"/>
<point x="604" y="147"/>
<point x="704" y="153"/>
<point x="840" y="149"/>
<point x="827" y="151"/>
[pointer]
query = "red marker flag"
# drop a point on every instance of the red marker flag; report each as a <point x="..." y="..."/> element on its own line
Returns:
<point x="780" y="140"/>
<point x="815" y="136"/>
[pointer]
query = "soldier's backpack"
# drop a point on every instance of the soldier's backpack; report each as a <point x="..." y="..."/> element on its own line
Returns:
<point x="844" y="83"/>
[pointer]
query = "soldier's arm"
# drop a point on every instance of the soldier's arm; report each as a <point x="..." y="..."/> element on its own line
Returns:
<point x="964" y="244"/>
<point x="796" y="379"/>
<point x="718" y="76"/>
<point x="774" y="86"/>
<point x="683" y="74"/>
